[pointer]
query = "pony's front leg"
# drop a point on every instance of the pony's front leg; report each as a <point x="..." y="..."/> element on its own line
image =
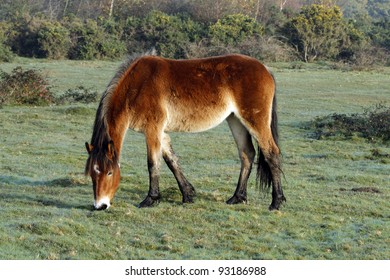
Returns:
<point x="154" y="158"/>
<point x="172" y="161"/>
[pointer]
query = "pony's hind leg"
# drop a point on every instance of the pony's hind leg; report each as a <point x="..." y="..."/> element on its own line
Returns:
<point x="269" y="165"/>
<point x="246" y="153"/>
<point x="171" y="160"/>
<point x="269" y="169"/>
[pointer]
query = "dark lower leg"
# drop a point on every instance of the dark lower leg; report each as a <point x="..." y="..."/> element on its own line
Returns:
<point x="153" y="196"/>
<point x="240" y="193"/>
<point x="185" y="187"/>
<point x="154" y="151"/>
<point x="277" y="192"/>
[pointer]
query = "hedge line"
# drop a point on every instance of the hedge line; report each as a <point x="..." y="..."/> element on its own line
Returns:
<point x="175" y="36"/>
<point x="180" y="36"/>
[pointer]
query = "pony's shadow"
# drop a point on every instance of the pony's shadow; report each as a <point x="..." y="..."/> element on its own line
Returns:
<point x="44" y="200"/>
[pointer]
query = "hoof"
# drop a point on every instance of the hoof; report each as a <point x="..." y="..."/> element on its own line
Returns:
<point x="276" y="203"/>
<point x="273" y="207"/>
<point x="149" y="202"/>
<point x="189" y="194"/>
<point x="188" y="199"/>
<point x="236" y="200"/>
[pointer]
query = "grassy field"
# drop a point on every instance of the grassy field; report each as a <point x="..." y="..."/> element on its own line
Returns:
<point x="46" y="202"/>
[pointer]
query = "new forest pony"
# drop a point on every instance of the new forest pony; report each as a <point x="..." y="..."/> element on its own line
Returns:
<point x="154" y="96"/>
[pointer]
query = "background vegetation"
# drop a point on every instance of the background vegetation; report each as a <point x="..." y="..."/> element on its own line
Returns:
<point x="373" y="124"/>
<point x="354" y="31"/>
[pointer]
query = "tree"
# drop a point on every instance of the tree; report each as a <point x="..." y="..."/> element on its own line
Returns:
<point x="318" y="32"/>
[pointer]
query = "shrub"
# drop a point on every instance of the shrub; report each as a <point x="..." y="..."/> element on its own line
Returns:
<point x="53" y="40"/>
<point x="130" y="35"/>
<point x="111" y="47"/>
<point x="233" y="29"/>
<point x="373" y="124"/>
<point x="111" y="44"/>
<point x="266" y="49"/>
<point x="380" y="33"/>
<point x="269" y="49"/>
<point x="79" y="94"/>
<point x="84" y="40"/>
<point x="90" y="41"/>
<point x="169" y="35"/>
<point x="28" y="87"/>
<point x="22" y="37"/>
<point x="369" y="58"/>
<point x="6" y="54"/>
<point x="39" y="37"/>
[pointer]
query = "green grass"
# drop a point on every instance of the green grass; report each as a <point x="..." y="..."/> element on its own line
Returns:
<point x="46" y="202"/>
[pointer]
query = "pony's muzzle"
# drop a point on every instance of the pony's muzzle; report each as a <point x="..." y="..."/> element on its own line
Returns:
<point x="102" y="204"/>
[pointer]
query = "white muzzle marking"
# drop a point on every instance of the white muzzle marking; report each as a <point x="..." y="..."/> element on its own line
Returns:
<point x="101" y="202"/>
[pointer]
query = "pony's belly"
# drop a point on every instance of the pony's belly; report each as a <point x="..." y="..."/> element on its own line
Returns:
<point x="199" y="120"/>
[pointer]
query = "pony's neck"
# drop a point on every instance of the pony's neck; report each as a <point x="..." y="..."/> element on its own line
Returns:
<point x="116" y="129"/>
<point x="117" y="126"/>
<point x="114" y="107"/>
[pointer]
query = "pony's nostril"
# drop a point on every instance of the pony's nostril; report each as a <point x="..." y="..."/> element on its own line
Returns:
<point x="102" y="207"/>
<point x="103" y="204"/>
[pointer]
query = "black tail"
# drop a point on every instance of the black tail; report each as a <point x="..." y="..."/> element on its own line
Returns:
<point x="264" y="174"/>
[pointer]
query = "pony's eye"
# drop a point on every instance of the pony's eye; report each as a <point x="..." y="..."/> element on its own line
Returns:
<point x="109" y="173"/>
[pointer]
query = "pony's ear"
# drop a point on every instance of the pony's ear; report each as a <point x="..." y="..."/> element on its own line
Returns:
<point x="111" y="150"/>
<point x="89" y="147"/>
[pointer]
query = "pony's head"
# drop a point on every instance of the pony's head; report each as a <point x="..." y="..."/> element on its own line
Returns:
<point x="104" y="169"/>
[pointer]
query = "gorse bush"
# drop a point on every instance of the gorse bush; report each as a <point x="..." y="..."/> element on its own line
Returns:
<point x="79" y="94"/>
<point x="234" y="29"/>
<point x="6" y="54"/>
<point x="31" y="87"/>
<point x="53" y="40"/>
<point x="41" y="38"/>
<point x="28" y="87"/>
<point x="373" y="124"/>
<point x="170" y="35"/>
<point x="90" y="40"/>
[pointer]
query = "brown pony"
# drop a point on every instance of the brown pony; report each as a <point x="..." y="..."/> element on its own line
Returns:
<point x="154" y="96"/>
